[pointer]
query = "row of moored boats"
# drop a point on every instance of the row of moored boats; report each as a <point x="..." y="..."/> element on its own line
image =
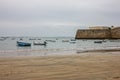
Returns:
<point x="21" y="43"/>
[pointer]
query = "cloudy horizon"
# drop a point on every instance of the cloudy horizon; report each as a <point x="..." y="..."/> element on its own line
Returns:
<point x="50" y="18"/>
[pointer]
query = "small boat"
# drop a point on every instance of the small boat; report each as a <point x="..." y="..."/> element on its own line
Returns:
<point x="21" y="38"/>
<point x="115" y="40"/>
<point x="32" y="39"/>
<point x="1" y="39"/>
<point x="73" y="39"/>
<point x="23" y="44"/>
<point x="97" y="41"/>
<point x="72" y="42"/>
<point x="104" y="40"/>
<point x="38" y="39"/>
<point x="12" y="38"/>
<point x="40" y="43"/>
<point x="50" y="40"/>
<point x="65" y="40"/>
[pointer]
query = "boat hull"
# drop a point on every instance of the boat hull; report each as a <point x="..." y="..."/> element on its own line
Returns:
<point x="38" y="43"/>
<point x="23" y="44"/>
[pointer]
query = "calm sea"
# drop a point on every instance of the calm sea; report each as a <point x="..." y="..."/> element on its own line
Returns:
<point x="55" y="46"/>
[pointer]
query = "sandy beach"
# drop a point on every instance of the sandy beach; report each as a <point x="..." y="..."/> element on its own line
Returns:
<point x="83" y="66"/>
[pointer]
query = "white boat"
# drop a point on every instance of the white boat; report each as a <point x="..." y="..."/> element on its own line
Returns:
<point x="65" y="40"/>
<point x="40" y="43"/>
<point x="50" y="40"/>
<point x="2" y="39"/>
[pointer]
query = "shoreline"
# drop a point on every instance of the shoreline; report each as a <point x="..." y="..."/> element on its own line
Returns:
<point x="88" y="66"/>
<point x="40" y="53"/>
<point x="100" y="50"/>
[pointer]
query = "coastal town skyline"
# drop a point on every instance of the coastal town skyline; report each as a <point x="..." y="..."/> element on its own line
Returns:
<point x="46" y="18"/>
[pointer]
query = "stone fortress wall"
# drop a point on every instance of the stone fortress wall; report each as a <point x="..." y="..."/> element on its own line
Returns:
<point x="99" y="32"/>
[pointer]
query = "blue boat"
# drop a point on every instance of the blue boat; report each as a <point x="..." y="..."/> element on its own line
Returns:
<point x="23" y="44"/>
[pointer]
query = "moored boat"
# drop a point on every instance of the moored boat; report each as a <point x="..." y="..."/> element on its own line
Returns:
<point x="73" y="39"/>
<point x="23" y="44"/>
<point x="65" y="40"/>
<point x="97" y="41"/>
<point x="50" y="40"/>
<point x="40" y="43"/>
<point x="1" y="39"/>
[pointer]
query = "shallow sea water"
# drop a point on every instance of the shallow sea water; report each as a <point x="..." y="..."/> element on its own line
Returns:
<point x="55" y="46"/>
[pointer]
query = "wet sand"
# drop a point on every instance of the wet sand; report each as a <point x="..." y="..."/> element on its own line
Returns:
<point x="86" y="66"/>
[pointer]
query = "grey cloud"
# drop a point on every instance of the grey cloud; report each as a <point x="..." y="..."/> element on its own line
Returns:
<point x="67" y="14"/>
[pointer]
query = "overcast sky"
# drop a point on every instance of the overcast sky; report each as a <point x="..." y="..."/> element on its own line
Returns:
<point x="48" y="18"/>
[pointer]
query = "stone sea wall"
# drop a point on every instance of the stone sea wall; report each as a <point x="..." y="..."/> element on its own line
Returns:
<point x="98" y="33"/>
<point x="115" y="33"/>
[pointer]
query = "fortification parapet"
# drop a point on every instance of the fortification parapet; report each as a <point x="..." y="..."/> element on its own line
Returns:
<point x="99" y="27"/>
<point x="98" y="33"/>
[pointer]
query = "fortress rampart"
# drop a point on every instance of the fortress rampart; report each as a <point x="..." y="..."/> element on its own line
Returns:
<point x="98" y="33"/>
